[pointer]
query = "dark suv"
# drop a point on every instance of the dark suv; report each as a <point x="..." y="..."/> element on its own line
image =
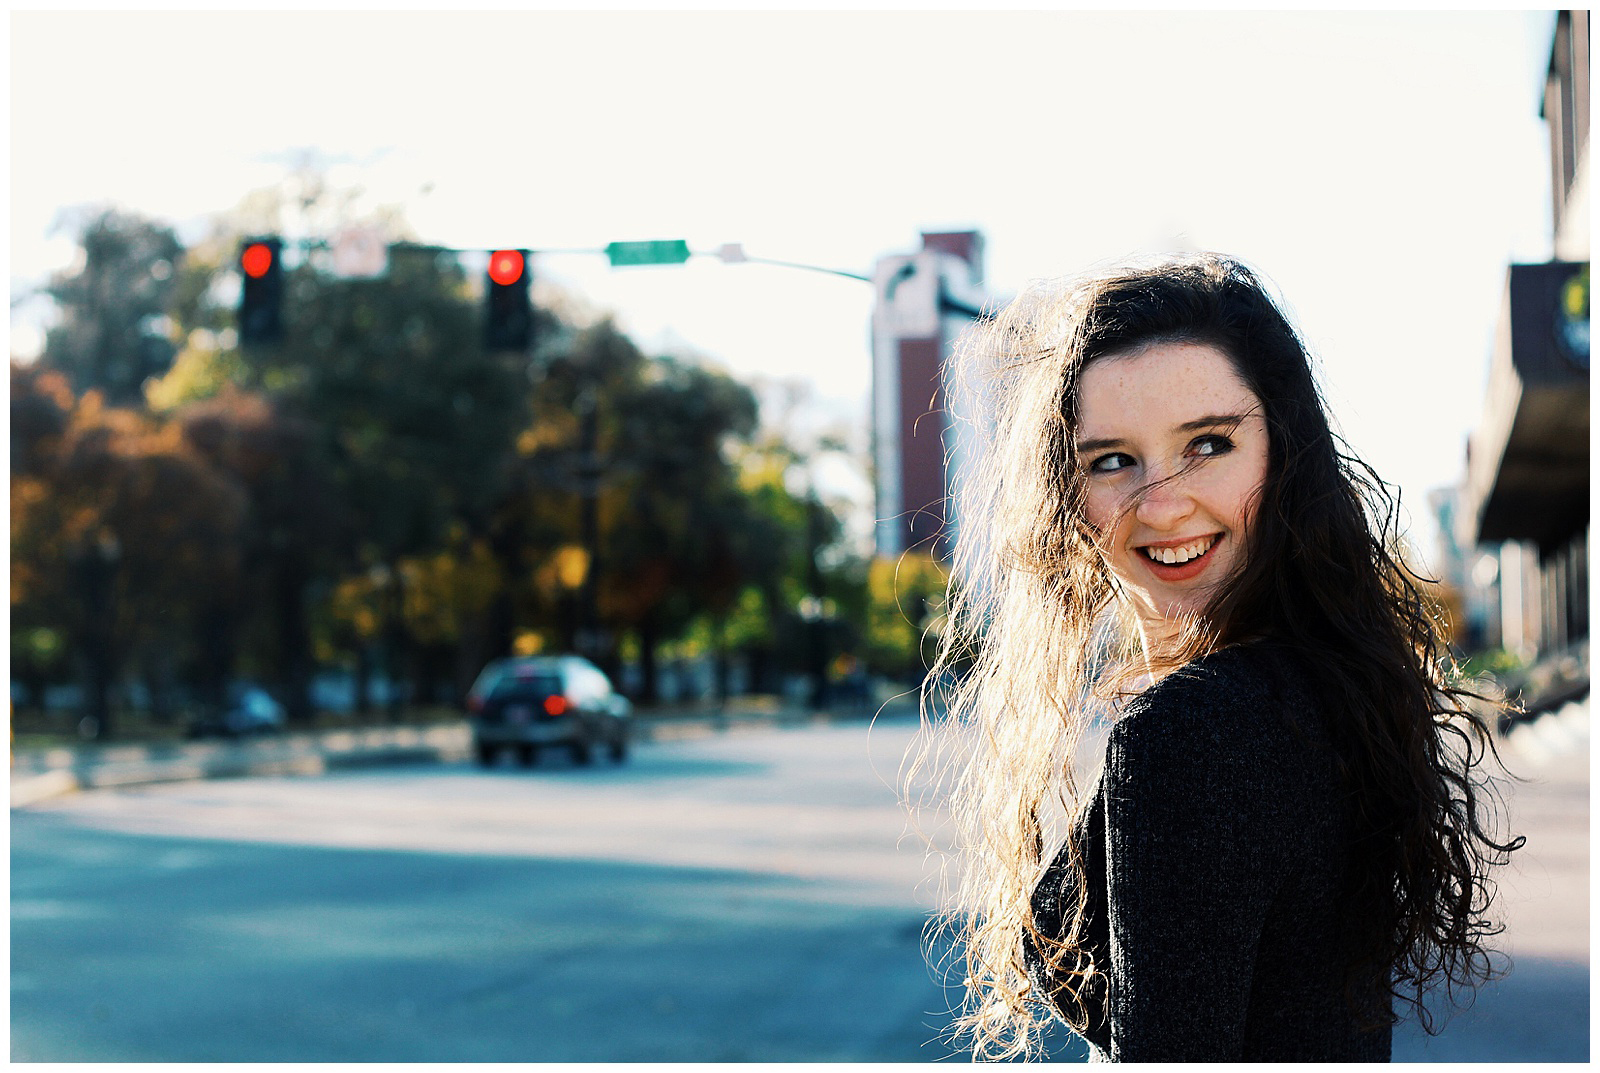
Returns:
<point x="523" y="705"/>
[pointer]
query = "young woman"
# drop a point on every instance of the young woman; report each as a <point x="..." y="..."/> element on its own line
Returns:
<point x="1288" y="830"/>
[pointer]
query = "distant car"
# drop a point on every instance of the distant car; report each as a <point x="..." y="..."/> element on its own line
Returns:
<point x="249" y="710"/>
<point x="524" y="705"/>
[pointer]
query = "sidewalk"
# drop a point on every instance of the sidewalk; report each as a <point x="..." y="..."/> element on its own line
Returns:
<point x="1540" y="1011"/>
<point x="39" y="774"/>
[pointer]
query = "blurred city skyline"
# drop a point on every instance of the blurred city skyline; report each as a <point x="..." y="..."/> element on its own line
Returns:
<point x="1381" y="169"/>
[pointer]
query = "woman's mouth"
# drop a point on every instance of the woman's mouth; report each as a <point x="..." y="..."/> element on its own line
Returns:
<point x="1180" y="562"/>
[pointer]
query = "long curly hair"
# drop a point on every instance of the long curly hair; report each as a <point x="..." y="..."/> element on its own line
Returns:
<point x="1037" y="646"/>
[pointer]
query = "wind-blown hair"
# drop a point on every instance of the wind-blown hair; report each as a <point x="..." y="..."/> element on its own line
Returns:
<point x="1037" y="645"/>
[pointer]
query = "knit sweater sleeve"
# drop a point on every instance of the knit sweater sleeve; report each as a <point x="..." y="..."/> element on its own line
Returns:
<point x="1198" y="804"/>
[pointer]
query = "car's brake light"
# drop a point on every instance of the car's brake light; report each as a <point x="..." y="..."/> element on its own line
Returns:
<point x="555" y="704"/>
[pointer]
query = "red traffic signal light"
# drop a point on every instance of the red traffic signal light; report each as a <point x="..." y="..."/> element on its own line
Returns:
<point x="261" y="297"/>
<point x="505" y="266"/>
<point x="256" y="260"/>
<point x="509" y="325"/>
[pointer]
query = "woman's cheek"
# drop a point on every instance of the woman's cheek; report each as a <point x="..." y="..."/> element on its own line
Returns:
<point x="1100" y="508"/>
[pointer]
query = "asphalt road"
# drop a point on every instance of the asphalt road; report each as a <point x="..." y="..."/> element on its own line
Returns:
<point x="750" y="896"/>
<point x="744" y="897"/>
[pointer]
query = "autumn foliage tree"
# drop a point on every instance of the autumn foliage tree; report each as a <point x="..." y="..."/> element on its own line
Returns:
<point x="676" y="508"/>
<point x="119" y="529"/>
<point x="377" y="489"/>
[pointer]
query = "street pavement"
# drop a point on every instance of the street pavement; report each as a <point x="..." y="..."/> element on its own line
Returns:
<point x="739" y="891"/>
<point x="749" y="895"/>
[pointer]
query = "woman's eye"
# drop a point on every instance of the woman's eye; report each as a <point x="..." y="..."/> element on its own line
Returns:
<point x="1110" y="463"/>
<point x="1210" y="446"/>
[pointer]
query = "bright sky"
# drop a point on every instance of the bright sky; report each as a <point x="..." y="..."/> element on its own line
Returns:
<point x="1381" y="169"/>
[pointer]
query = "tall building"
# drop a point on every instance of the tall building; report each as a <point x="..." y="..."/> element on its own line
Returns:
<point x="925" y="301"/>
<point x="1526" y="492"/>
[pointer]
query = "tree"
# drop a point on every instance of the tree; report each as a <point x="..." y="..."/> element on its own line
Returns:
<point x="293" y="517"/>
<point x="775" y="545"/>
<point x="905" y="612"/>
<point x="380" y="394"/>
<point x="414" y="421"/>
<point x="677" y="518"/>
<point x="800" y="455"/>
<point x="448" y="593"/>
<point x="380" y="485"/>
<point x="118" y="528"/>
<point x="41" y="405"/>
<point x="114" y="305"/>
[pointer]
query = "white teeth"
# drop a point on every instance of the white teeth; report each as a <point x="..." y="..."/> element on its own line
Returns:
<point x="1180" y="554"/>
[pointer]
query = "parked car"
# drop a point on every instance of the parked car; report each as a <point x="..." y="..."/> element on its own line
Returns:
<point x="524" y="705"/>
<point x="249" y="710"/>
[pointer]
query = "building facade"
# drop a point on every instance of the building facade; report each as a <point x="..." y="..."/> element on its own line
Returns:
<point x="925" y="301"/>
<point x="1525" y="498"/>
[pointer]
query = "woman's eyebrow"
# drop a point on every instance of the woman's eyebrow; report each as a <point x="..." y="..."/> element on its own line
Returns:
<point x="1209" y="421"/>
<point x="1085" y="446"/>
<point x="1212" y="421"/>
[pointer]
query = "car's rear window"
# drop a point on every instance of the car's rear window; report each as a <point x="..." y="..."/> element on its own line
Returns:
<point x="536" y="688"/>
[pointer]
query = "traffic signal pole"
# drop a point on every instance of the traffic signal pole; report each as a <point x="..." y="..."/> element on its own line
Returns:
<point x="508" y="327"/>
<point x="733" y="254"/>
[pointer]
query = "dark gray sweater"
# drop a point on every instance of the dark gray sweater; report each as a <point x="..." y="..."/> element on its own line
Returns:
<point x="1215" y="848"/>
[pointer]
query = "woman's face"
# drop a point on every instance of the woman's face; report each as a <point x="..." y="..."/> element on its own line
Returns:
<point x="1175" y="411"/>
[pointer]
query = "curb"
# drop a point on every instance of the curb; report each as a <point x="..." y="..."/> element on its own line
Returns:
<point x="39" y="775"/>
<point x="1551" y="735"/>
<point x="54" y="772"/>
<point x="31" y="789"/>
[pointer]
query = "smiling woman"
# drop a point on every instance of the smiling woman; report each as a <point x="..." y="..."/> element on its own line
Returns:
<point x="1290" y="829"/>
<point x="1175" y="451"/>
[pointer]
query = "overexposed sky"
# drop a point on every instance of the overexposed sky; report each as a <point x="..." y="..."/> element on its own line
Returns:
<point x="1380" y="169"/>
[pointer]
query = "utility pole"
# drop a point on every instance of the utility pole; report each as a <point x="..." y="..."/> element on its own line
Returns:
<point x="589" y="469"/>
<point x="98" y="562"/>
<point x="817" y="619"/>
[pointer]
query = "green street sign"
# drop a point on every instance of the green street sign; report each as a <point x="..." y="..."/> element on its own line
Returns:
<point x="668" y="251"/>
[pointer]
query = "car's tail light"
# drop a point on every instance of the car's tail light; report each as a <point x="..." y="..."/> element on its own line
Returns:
<point x="555" y="704"/>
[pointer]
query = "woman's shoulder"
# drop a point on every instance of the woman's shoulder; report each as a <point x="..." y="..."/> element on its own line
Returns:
<point x="1228" y="678"/>
<point x="1244" y="702"/>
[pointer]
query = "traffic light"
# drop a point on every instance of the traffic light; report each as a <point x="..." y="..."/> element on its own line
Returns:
<point x="261" y="300"/>
<point x="510" y="324"/>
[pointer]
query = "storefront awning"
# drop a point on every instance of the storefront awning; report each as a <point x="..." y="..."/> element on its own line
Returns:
<point x="1528" y="467"/>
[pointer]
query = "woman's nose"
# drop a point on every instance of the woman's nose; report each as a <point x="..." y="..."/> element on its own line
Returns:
<point x="1164" y="503"/>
